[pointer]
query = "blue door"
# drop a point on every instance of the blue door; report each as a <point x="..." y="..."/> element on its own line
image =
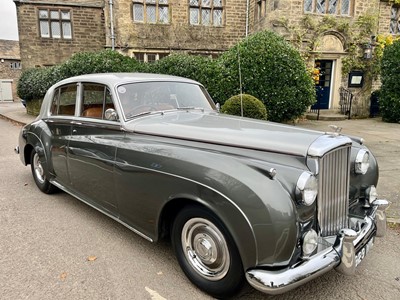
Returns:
<point x="323" y="85"/>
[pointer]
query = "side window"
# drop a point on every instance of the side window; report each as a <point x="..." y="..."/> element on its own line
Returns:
<point x="96" y="100"/>
<point x="64" y="101"/>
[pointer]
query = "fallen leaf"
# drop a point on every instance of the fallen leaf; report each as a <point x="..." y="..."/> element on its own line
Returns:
<point x="63" y="275"/>
<point x="91" y="258"/>
<point x="25" y="184"/>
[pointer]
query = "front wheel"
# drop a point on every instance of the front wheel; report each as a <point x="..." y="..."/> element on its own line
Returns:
<point x="39" y="175"/>
<point x="206" y="252"/>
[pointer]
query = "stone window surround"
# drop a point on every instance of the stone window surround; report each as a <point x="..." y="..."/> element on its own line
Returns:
<point x="261" y="9"/>
<point x="60" y="20"/>
<point x="394" y="26"/>
<point x="326" y="6"/>
<point x="148" y="56"/>
<point x="141" y="7"/>
<point x="213" y="7"/>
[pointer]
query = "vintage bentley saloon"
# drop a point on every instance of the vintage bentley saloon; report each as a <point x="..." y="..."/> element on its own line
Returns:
<point x="240" y="199"/>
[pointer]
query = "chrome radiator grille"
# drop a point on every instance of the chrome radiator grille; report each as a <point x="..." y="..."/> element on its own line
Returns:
<point x="333" y="191"/>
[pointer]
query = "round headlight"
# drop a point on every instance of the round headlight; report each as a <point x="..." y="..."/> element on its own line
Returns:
<point x="310" y="242"/>
<point x="307" y="185"/>
<point x="362" y="162"/>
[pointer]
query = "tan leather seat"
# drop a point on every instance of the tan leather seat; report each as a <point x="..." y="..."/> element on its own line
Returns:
<point x="93" y="112"/>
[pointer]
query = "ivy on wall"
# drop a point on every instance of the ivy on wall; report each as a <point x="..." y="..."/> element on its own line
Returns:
<point x="356" y="36"/>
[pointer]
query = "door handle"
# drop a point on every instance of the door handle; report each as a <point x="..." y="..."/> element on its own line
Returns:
<point x="74" y="131"/>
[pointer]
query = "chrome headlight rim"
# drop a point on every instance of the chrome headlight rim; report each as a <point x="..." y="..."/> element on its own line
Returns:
<point x="362" y="162"/>
<point x="307" y="188"/>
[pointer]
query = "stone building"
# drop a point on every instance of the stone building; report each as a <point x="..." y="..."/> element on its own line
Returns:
<point x="50" y="31"/>
<point x="324" y="30"/>
<point x="10" y="69"/>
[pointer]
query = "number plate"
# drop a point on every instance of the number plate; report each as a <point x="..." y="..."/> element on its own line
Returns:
<point x="363" y="252"/>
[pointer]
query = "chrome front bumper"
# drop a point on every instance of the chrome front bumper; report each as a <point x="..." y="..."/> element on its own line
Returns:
<point x="340" y="255"/>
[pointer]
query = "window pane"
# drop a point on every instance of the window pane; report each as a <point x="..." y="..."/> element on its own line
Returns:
<point x="206" y="3"/>
<point x="321" y="6"/>
<point x="139" y="56"/>
<point x="206" y="16"/>
<point x="54" y="14"/>
<point x="393" y="25"/>
<point x="65" y="15"/>
<point x="43" y="14"/>
<point x="163" y="12"/>
<point x="194" y="16"/>
<point x="217" y="3"/>
<point x="151" y="58"/>
<point x="332" y="6"/>
<point x="217" y="17"/>
<point x="163" y="1"/>
<point x="67" y="32"/>
<point x="55" y="30"/>
<point x="151" y="1"/>
<point x="194" y="2"/>
<point x="138" y="13"/>
<point x="308" y="5"/>
<point x="393" y="13"/>
<point x="345" y="10"/>
<point x="44" y="29"/>
<point x="151" y="13"/>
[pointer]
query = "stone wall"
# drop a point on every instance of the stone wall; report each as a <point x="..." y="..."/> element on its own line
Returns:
<point x="178" y="34"/>
<point x="6" y="72"/>
<point x="88" y="33"/>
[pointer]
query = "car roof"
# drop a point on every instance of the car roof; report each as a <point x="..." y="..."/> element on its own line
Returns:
<point x="118" y="78"/>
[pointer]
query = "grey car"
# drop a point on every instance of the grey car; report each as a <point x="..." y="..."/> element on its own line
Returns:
<point x="240" y="199"/>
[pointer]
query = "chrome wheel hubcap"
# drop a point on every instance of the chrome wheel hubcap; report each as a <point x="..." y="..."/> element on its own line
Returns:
<point x="205" y="248"/>
<point x="38" y="168"/>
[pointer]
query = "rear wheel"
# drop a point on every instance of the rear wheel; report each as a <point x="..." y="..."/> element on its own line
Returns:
<point x="39" y="175"/>
<point x="206" y="252"/>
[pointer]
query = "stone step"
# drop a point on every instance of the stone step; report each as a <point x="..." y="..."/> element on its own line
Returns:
<point x="326" y="115"/>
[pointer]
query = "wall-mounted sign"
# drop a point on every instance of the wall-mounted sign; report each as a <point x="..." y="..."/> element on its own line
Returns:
<point x="356" y="79"/>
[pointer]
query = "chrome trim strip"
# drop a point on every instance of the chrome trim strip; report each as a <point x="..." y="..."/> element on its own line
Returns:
<point x="61" y="187"/>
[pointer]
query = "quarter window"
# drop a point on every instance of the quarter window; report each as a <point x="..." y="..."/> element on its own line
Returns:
<point x="395" y="20"/>
<point x="151" y="11"/>
<point x="329" y="7"/>
<point x="64" y="100"/>
<point x="206" y="12"/>
<point x="55" y="24"/>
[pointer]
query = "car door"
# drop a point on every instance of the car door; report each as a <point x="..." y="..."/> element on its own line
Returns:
<point x="92" y="148"/>
<point x="59" y="123"/>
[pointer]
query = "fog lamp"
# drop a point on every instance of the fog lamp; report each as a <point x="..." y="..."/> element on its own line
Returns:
<point x="310" y="242"/>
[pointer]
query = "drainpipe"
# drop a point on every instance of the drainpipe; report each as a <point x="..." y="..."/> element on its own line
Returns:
<point x="112" y="25"/>
<point x="247" y="16"/>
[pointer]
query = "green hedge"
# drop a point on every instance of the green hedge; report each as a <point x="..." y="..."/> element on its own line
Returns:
<point x="271" y="70"/>
<point x="34" y="83"/>
<point x="252" y="107"/>
<point x="389" y="101"/>
<point x="199" y="68"/>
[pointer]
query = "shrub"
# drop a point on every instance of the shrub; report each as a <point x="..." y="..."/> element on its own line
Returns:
<point x="272" y="71"/>
<point x="252" y="107"/>
<point x="105" y="61"/>
<point x="199" y="68"/>
<point x="389" y="101"/>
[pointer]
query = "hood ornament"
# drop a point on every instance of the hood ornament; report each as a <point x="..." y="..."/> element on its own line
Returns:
<point x="336" y="130"/>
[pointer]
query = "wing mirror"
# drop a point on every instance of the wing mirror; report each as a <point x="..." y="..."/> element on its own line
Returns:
<point x="110" y="114"/>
